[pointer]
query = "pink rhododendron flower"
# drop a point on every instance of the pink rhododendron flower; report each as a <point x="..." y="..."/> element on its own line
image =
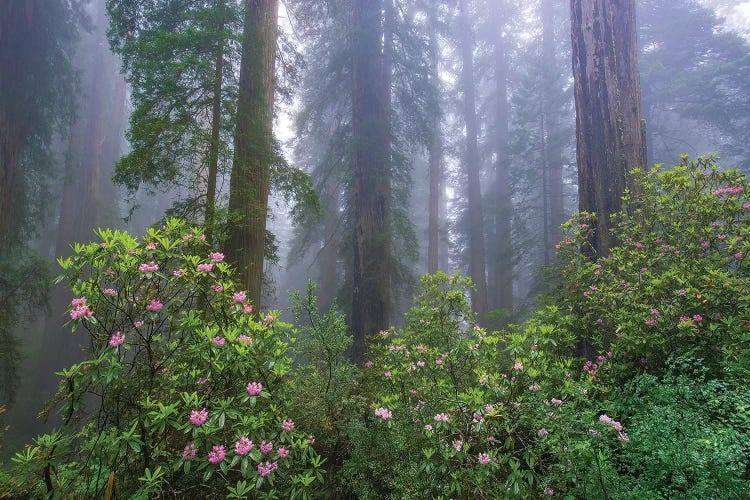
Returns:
<point x="369" y="364"/>
<point x="650" y="322"/>
<point x="117" y="339"/>
<point x="654" y="312"/>
<point x="198" y="417"/>
<point x="428" y="427"/>
<point x="179" y="273"/>
<point x="216" y="256"/>
<point x="722" y="237"/>
<point x="244" y="339"/>
<point x="685" y="318"/>
<point x="201" y="381"/>
<point x="555" y="401"/>
<point x="442" y="417"/>
<point x="151" y="267"/>
<point x="483" y="458"/>
<point x="420" y="363"/>
<point x="383" y="413"/>
<point x="217" y="454"/>
<point x="738" y="255"/>
<point x="549" y="492"/>
<point x="542" y="432"/>
<point x="254" y="388"/>
<point x="218" y="340"/>
<point x="206" y="268"/>
<point x="265" y="469"/>
<point x="282" y="452"/>
<point x="458" y="444"/>
<point x="81" y="312"/>
<point x="151" y="245"/>
<point x="388" y="374"/>
<point x="287" y="425"/>
<point x="266" y="448"/>
<point x="138" y="324"/>
<point x="518" y="366"/>
<point x="155" y="305"/>
<point x="243" y="446"/>
<point x="248" y="308"/>
<point x="533" y="388"/>
<point x="438" y="361"/>
<point x="110" y="291"/>
<point x="697" y="318"/>
<point x="189" y="452"/>
<point x="239" y="297"/>
<point x="217" y="288"/>
<point x="202" y="237"/>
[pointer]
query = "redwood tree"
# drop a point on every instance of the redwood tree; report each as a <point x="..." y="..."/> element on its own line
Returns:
<point x="253" y="144"/>
<point x="609" y="128"/>
<point x="371" y="285"/>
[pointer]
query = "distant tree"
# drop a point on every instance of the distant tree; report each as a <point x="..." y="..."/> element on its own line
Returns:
<point x="609" y="128"/>
<point x="253" y="150"/>
<point x="37" y="40"/>
<point x="435" y="168"/>
<point x="472" y="163"/>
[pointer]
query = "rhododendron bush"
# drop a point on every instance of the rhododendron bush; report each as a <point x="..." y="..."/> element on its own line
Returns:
<point x="184" y="389"/>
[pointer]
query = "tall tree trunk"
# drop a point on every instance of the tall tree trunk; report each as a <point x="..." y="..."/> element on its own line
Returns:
<point x="16" y="19"/>
<point x="213" y="149"/>
<point x="253" y="144"/>
<point x="473" y="167"/>
<point x="502" y="289"/>
<point x="435" y="156"/>
<point x="609" y="127"/>
<point x="371" y="273"/>
<point x="328" y="256"/>
<point x="554" y="162"/>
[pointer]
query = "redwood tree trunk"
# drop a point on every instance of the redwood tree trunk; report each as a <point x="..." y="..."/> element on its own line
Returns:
<point x="609" y="127"/>
<point x="253" y="145"/>
<point x="213" y="148"/>
<point x="371" y="273"/>
<point x="502" y="281"/>
<point x="473" y="167"/>
<point x="434" y="166"/>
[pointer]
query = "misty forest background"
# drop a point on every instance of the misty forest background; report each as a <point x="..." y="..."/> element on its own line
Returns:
<point x="118" y="113"/>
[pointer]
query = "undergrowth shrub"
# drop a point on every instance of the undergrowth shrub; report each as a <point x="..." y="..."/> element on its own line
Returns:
<point x="185" y="389"/>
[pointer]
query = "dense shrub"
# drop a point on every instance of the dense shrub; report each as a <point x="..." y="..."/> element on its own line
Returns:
<point x="185" y="389"/>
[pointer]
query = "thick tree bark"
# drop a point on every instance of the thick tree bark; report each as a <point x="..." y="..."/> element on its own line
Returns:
<point x="253" y="145"/>
<point x="502" y="258"/>
<point x="213" y="147"/>
<point x="371" y="273"/>
<point x="609" y="128"/>
<point x="553" y="156"/>
<point x="434" y="166"/>
<point x="473" y="167"/>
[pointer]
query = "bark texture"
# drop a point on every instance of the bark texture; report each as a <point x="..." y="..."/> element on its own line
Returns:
<point x="253" y="145"/>
<point x="609" y="126"/>
<point x="473" y="166"/>
<point x="434" y="166"/>
<point x="371" y="273"/>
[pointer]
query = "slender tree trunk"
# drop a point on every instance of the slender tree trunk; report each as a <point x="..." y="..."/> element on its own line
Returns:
<point x="330" y="249"/>
<point x="554" y="162"/>
<point x="213" y="150"/>
<point x="609" y="128"/>
<point x="371" y="273"/>
<point x="253" y="144"/>
<point x="435" y="157"/>
<point x="473" y="167"/>
<point x="503" y="256"/>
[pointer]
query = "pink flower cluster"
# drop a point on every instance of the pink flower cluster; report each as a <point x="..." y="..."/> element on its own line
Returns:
<point x="254" y="388"/>
<point x="216" y="256"/>
<point x="282" y="452"/>
<point x="117" y="339"/>
<point x="243" y="446"/>
<point x="217" y="454"/>
<point x="155" y="306"/>
<point x="728" y="190"/>
<point x="198" y="417"/>
<point x="110" y="291"/>
<point x="266" y="448"/>
<point x="80" y="309"/>
<point x="265" y="469"/>
<point x="244" y="339"/>
<point x="239" y="297"/>
<point x="287" y="425"/>
<point x="206" y="268"/>
<point x="150" y="267"/>
<point x="621" y="436"/>
<point x="189" y="452"/>
<point x="442" y="417"/>
<point x="218" y="340"/>
<point x="383" y="413"/>
<point x="483" y="458"/>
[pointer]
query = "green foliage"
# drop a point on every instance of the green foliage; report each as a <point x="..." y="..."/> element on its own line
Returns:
<point x="179" y="368"/>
